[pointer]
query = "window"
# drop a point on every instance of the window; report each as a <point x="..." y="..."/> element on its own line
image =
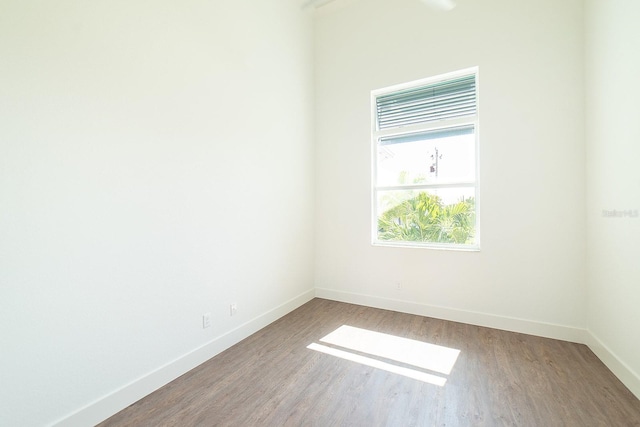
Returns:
<point x="425" y="163"/>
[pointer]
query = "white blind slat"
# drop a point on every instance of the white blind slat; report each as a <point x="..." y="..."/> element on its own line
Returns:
<point x="437" y="101"/>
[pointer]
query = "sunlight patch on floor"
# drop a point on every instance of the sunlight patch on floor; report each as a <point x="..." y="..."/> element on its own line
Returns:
<point x="370" y="345"/>
<point x="374" y="363"/>
<point x="412" y="352"/>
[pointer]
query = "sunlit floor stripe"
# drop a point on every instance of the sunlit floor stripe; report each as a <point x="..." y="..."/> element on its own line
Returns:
<point x="420" y="354"/>
<point x="367" y="361"/>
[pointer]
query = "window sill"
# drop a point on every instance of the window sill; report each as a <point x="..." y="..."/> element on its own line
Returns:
<point x="413" y="245"/>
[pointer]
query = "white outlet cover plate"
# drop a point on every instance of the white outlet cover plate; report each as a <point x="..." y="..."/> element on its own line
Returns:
<point x="206" y="320"/>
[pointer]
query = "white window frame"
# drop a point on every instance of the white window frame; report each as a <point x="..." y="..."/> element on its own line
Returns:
<point x="377" y="134"/>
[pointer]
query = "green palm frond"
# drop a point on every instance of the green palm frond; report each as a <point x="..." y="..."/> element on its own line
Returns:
<point x="424" y="218"/>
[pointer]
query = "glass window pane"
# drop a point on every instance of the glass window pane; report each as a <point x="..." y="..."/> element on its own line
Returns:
<point x="445" y="215"/>
<point x="434" y="157"/>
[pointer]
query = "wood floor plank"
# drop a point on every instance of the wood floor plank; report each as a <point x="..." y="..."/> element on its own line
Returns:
<point x="499" y="379"/>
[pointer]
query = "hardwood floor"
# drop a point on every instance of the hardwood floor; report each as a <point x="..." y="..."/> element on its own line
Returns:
<point x="498" y="379"/>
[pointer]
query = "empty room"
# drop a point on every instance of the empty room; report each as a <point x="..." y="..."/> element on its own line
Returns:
<point x="319" y="213"/>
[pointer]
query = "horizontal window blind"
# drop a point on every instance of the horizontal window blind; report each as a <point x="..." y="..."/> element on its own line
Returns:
<point x="438" y="101"/>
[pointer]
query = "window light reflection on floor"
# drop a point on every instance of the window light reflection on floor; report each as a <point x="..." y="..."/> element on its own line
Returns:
<point x="374" y="363"/>
<point x="393" y="348"/>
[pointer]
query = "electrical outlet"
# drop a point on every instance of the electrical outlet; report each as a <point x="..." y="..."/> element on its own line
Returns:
<point x="233" y="308"/>
<point x="399" y="286"/>
<point x="206" y="320"/>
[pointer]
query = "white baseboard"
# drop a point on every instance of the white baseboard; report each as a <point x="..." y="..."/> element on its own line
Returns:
<point x="541" y="329"/>
<point x="114" y="402"/>
<point x="628" y="376"/>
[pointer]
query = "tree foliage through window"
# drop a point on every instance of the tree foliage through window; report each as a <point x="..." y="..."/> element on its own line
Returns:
<point x="424" y="218"/>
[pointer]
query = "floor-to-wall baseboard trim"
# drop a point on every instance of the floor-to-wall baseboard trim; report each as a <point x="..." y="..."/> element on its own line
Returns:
<point x="628" y="376"/>
<point x="547" y="330"/>
<point x="114" y="402"/>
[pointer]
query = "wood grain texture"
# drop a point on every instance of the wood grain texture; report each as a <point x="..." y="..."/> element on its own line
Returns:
<point x="499" y="379"/>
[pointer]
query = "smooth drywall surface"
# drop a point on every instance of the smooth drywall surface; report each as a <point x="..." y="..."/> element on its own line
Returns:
<point x="613" y="152"/>
<point x="156" y="163"/>
<point x="532" y="197"/>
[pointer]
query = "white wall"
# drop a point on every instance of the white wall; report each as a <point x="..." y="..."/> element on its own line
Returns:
<point x="529" y="274"/>
<point x="613" y="182"/>
<point x="156" y="163"/>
